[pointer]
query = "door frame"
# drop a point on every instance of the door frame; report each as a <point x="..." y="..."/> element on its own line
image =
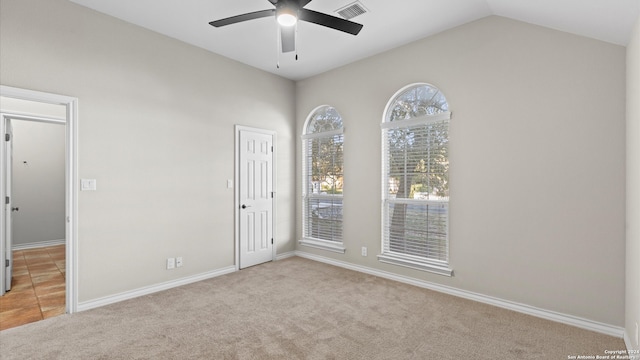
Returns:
<point x="6" y="171"/>
<point x="71" y="178"/>
<point x="236" y="202"/>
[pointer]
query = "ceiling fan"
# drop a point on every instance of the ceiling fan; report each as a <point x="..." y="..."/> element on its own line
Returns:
<point x="287" y="13"/>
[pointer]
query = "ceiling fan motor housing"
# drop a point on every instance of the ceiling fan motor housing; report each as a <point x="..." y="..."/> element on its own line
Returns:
<point x="287" y="12"/>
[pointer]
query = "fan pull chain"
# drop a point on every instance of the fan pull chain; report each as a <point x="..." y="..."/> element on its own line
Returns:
<point x="295" y="43"/>
<point x="278" y="44"/>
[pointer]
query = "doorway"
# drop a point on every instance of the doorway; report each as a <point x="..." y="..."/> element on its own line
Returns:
<point x="34" y="165"/>
<point x="255" y="195"/>
<point x="62" y="250"/>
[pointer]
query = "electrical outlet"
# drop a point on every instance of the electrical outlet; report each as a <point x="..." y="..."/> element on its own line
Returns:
<point x="171" y="263"/>
<point x="364" y="251"/>
<point x="179" y="261"/>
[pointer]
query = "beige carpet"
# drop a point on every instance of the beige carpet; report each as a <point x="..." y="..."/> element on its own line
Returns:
<point x="299" y="309"/>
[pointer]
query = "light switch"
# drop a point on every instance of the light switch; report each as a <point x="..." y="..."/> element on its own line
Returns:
<point x="88" y="184"/>
<point x="229" y="184"/>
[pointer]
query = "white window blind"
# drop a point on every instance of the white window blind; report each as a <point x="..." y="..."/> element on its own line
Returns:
<point x="323" y="177"/>
<point x="323" y="200"/>
<point x="416" y="180"/>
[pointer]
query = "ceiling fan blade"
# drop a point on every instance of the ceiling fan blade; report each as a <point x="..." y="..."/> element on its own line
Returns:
<point x="273" y="1"/>
<point x="329" y="21"/>
<point x="288" y="38"/>
<point x="303" y="3"/>
<point x="243" y="17"/>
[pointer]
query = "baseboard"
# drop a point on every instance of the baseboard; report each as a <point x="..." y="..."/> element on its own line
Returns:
<point x="39" y="244"/>
<point x="112" y="299"/>
<point x="506" y="304"/>
<point x="629" y="345"/>
<point x="285" y="255"/>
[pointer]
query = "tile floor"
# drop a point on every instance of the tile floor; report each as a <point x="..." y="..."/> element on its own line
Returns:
<point x="38" y="287"/>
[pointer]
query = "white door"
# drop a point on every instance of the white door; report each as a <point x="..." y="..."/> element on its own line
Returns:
<point x="7" y="261"/>
<point x="255" y="197"/>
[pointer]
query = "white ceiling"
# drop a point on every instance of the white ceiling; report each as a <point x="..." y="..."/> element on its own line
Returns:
<point x="387" y="24"/>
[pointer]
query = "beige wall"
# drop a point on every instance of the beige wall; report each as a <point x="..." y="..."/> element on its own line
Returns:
<point x="25" y="107"/>
<point x="633" y="189"/>
<point x="537" y="161"/>
<point x="156" y="129"/>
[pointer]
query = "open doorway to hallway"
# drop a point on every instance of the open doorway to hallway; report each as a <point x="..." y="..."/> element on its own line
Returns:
<point x="34" y="234"/>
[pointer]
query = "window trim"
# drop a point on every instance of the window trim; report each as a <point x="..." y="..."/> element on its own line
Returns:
<point x="323" y="245"/>
<point x="417" y="263"/>
<point x="406" y="260"/>
<point x="333" y="246"/>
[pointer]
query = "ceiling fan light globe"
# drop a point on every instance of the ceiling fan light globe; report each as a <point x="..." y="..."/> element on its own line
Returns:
<point x="287" y="19"/>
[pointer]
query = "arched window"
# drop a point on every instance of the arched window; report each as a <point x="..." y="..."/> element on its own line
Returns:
<point x="415" y="177"/>
<point x="322" y="179"/>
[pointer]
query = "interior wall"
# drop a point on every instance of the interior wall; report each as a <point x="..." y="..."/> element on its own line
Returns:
<point x="38" y="182"/>
<point x="633" y="190"/>
<point x="33" y="108"/>
<point x="537" y="168"/>
<point x="156" y="130"/>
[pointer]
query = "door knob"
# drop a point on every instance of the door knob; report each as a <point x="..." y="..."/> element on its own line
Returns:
<point x="15" y="209"/>
<point x="245" y="206"/>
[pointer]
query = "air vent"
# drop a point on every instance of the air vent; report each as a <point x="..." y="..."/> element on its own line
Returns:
<point x="352" y="10"/>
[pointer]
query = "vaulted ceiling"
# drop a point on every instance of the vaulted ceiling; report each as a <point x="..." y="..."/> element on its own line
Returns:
<point x="387" y="24"/>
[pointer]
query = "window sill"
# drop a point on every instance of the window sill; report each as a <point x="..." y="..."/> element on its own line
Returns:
<point x="323" y="245"/>
<point x="414" y="264"/>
